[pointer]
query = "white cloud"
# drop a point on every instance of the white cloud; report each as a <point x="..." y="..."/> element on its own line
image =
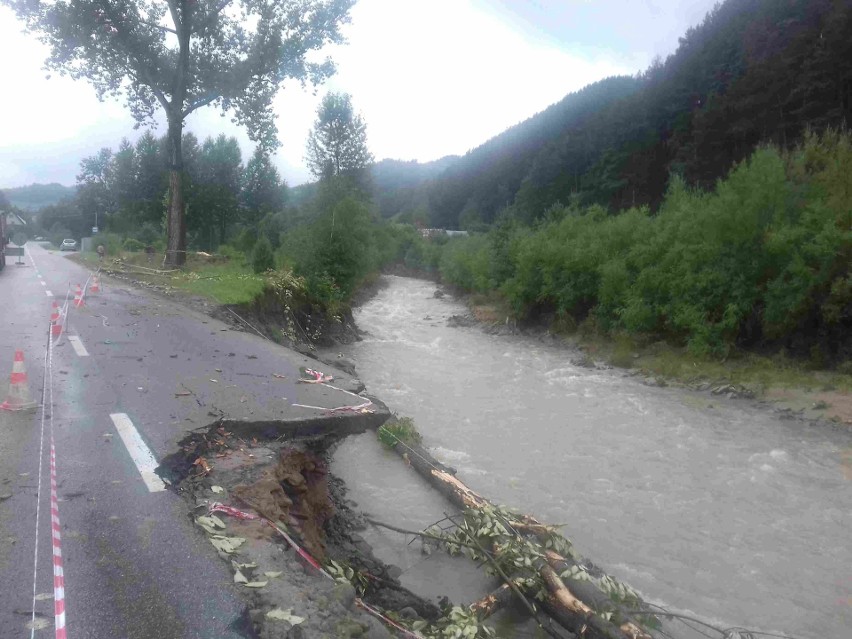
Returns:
<point x="431" y="77"/>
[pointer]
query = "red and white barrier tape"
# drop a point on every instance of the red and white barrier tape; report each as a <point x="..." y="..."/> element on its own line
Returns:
<point x="55" y="526"/>
<point x="56" y="539"/>
<point x="338" y="409"/>
<point x="217" y="507"/>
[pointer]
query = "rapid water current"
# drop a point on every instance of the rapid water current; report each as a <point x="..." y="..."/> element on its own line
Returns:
<point x="711" y="507"/>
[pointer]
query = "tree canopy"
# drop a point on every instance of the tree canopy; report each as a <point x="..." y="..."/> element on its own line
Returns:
<point x="181" y="55"/>
<point x="337" y="145"/>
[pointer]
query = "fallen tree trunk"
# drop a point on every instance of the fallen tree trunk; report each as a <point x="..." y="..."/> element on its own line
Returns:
<point x="573" y="608"/>
<point x="493" y="601"/>
<point x="593" y="596"/>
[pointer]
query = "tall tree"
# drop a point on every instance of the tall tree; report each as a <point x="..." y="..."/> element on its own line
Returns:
<point x="263" y="189"/>
<point x="337" y="145"/>
<point x="180" y="55"/>
<point x="95" y="193"/>
<point x="217" y="189"/>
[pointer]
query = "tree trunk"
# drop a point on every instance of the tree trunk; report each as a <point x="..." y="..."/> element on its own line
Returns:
<point x="176" y="226"/>
<point x="493" y="602"/>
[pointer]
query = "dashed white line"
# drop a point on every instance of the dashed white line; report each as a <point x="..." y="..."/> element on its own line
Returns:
<point x="139" y="452"/>
<point x="77" y="345"/>
<point x="48" y="293"/>
<point x="43" y="283"/>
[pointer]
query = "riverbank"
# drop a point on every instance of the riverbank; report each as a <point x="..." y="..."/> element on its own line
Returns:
<point x="787" y="386"/>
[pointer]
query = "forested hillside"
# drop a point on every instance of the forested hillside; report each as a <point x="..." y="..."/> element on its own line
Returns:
<point x="754" y="71"/>
<point x="35" y="196"/>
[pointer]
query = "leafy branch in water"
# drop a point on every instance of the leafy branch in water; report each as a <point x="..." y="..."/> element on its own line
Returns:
<point x="399" y="429"/>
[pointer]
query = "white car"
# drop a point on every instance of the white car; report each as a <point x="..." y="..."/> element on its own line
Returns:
<point x="68" y="245"/>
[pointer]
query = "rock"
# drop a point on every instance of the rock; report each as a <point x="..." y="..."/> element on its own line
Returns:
<point x="377" y="630"/>
<point x="409" y="613"/>
<point x="455" y="321"/>
<point x="584" y="361"/>
<point x="344" y="594"/>
<point x="394" y="571"/>
<point x="439" y="294"/>
<point x="346" y="365"/>
<point x="347" y="628"/>
<point x="296" y="632"/>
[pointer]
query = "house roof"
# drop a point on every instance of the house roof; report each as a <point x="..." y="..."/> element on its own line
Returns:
<point x="13" y="219"/>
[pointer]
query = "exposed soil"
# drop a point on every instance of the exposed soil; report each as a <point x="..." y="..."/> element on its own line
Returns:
<point x="286" y="481"/>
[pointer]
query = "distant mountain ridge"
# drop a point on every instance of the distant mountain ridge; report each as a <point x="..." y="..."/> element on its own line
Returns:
<point x="399" y="185"/>
<point x="35" y="196"/>
<point x="753" y="72"/>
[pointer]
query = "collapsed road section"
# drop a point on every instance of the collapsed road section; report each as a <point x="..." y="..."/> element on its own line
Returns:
<point x="262" y="494"/>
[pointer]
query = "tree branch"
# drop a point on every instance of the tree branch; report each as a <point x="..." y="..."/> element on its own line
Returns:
<point x="199" y="103"/>
<point x="509" y="582"/>
<point x="210" y="17"/>
<point x="416" y="533"/>
<point x="174" y="12"/>
<point x="158" y="26"/>
<point x="140" y="69"/>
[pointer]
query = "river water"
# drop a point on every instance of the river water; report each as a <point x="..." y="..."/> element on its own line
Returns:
<point x="710" y="507"/>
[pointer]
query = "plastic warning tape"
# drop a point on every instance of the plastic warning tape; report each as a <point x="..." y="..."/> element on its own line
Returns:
<point x="56" y="539"/>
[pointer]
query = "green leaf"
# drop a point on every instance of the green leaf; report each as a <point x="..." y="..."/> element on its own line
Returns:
<point x="285" y="615"/>
<point x="256" y="584"/>
<point x="227" y="544"/>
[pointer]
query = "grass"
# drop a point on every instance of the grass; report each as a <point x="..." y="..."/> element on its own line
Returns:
<point x="221" y="281"/>
<point x="754" y="371"/>
<point x="224" y="283"/>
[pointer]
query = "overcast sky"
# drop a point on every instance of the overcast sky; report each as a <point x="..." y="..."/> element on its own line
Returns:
<point x="431" y="78"/>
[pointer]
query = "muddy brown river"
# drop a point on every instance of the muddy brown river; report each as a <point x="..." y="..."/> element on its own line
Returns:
<point x="713" y="508"/>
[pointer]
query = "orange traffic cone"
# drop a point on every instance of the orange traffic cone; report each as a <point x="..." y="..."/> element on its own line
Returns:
<point x="96" y="285"/>
<point x="78" y="296"/>
<point x="19" y="389"/>
<point x="56" y="321"/>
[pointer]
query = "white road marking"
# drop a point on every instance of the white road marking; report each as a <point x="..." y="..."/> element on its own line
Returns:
<point x="48" y="293"/>
<point x="43" y="283"/>
<point x="77" y="345"/>
<point x="139" y="452"/>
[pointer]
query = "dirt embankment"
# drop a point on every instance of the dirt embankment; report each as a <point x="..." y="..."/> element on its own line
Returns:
<point x="277" y="516"/>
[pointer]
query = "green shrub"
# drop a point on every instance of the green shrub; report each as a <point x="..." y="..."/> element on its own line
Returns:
<point x="262" y="258"/>
<point x="131" y="244"/>
<point x="764" y="257"/>
<point x="232" y="254"/>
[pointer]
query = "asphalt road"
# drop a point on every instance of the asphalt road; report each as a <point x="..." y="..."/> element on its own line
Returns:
<point x="135" y="566"/>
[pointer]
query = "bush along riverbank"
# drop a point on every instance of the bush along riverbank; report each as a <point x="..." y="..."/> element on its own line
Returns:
<point x="761" y="263"/>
